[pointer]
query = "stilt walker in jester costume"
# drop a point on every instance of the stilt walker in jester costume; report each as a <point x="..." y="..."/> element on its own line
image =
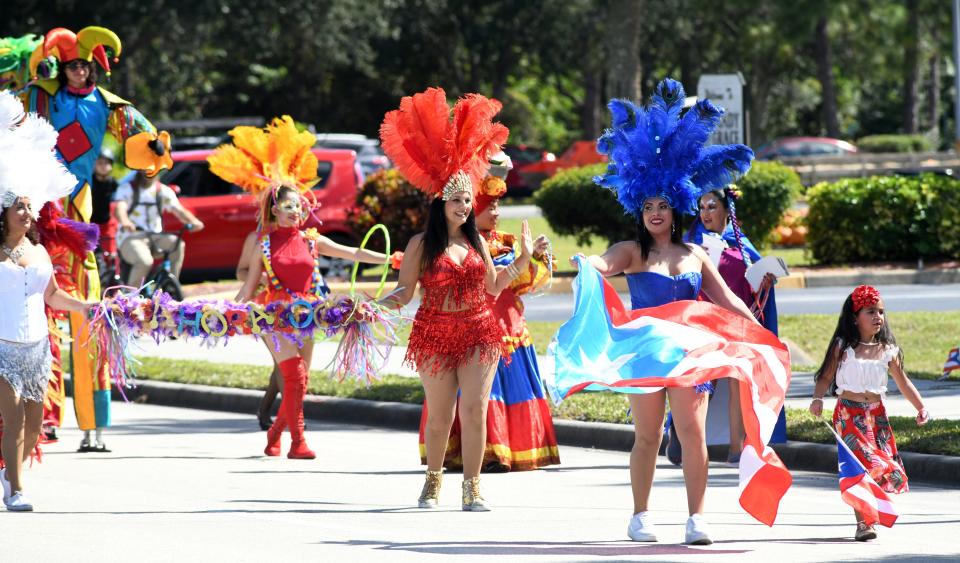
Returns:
<point x="82" y="113"/>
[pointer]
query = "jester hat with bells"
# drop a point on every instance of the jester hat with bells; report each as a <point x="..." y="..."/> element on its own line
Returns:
<point x="440" y="154"/>
<point x="261" y="161"/>
<point x="88" y="44"/>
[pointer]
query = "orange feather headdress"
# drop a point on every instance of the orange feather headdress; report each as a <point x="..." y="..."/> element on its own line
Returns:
<point x="262" y="160"/>
<point x="438" y="154"/>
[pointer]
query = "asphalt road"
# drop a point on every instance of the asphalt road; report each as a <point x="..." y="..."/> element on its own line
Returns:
<point x="792" y="301"/>
<point x="191" y="485"/>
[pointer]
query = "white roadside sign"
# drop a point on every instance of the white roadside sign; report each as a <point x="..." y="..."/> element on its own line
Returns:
<point x="726" y="91"/>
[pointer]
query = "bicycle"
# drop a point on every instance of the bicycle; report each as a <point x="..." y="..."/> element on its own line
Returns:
<point x="114" y="271"/>
<point x="160" y="276"/>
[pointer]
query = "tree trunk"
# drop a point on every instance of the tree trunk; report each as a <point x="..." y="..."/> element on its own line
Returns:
<point x="623" y="48"/>
<point x="590" y="112"/>
<point x="911" y="69"/>
<point x="825" y="75"/>
<point x="933" y="92"/>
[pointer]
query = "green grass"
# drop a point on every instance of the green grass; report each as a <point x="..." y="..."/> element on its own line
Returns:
<point x="920" y="334"/>
<point x="795" y="257"/>
<point x="563" y="246"/>
<point x="937" y="437"/>
<point x="389" y="388"/>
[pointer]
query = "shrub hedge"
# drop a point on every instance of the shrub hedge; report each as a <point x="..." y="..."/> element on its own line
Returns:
<point x="895" y="143"/>
<point x="767" y="191"/>
<point x="884" y="218"/>
<point x="386" y="197"/>
<point x="574" y="205"/>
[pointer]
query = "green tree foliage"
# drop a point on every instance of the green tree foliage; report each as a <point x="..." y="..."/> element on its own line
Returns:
<point x="340" y="64"/>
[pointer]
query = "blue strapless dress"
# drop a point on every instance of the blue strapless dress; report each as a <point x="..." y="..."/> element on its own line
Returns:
<point x="651" y="289"/>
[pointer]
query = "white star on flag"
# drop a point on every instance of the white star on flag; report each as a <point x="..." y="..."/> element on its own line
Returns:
<point x="603" y="368"/>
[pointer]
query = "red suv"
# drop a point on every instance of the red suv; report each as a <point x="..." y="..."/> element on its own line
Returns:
<point x="229" y="214"/>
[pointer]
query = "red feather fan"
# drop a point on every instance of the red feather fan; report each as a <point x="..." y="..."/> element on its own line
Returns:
<point x="428" y="147"/>
<point x="57" y="231"/>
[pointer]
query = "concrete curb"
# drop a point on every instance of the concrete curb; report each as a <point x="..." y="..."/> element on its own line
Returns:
<point x="939" y="469"/>
<point x="896" y="277"/>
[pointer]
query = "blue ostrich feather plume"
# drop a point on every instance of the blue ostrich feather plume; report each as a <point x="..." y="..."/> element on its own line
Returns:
<point x="654" y="152"/>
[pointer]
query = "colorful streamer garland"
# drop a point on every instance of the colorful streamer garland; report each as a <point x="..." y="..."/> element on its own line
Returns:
<point x="368" y="329"/>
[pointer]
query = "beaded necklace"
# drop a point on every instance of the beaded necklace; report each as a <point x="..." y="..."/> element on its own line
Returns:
<point x="316" y="285"/>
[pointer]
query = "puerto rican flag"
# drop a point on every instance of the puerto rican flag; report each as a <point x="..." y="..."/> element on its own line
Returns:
<point x="952" y="363"/>
<point x="860" y="491"/>
<point x="606" y="346"/>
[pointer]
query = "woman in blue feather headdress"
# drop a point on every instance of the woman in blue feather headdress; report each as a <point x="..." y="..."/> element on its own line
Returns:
<point x="659" y="168"/>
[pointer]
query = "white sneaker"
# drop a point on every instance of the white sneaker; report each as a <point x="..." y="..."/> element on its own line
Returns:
<point x="18" y="503"/>
<point x="6" y="484"/>
<point x="697" y="532"/>
<point x="641" y="528"/>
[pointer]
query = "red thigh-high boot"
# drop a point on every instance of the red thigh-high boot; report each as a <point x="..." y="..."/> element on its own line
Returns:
<point x="294" y="388"/>
<point x="275" y="431"/>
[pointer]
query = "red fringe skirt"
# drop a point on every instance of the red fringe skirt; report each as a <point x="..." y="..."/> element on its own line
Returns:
<point x="866" y="430"/>
<point x="442" y="341"/>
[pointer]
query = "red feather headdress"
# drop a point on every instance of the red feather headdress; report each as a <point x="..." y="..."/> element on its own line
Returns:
<point x="435" y="153"/>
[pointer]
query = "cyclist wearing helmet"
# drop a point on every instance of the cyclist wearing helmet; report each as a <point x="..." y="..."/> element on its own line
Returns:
<point x="139" y="210"/>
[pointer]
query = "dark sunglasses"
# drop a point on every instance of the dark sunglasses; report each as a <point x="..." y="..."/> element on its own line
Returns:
<point x="76" y="65"/>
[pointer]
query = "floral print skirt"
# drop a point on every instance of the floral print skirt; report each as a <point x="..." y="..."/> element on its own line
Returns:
<point x="866" y="430"/>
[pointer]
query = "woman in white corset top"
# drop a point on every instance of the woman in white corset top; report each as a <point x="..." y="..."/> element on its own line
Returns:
<point x="30" y="176"/>
<point x="861" y="353"/>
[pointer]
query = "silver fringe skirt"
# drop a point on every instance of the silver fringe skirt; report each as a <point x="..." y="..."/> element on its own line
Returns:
<point x="26" y="367"/>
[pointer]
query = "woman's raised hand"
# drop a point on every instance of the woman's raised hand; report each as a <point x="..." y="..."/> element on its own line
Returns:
<point x="526" y="240"/>
<point x="540" y="246"/>
<point x="580" y="255"/>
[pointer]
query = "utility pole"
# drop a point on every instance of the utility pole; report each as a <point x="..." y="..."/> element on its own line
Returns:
<point x="956" y="75"/>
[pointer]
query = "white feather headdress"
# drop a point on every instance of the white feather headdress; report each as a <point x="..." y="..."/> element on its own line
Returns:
<point x="28" y="164"/>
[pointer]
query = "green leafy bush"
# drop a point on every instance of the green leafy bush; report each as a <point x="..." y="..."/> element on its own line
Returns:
<point x="895" y="143"/>
<point x="386" y="197"/>
<point x="573" y="205"/>
<point x="767" y="192"/>
<point x="884" y="218"/>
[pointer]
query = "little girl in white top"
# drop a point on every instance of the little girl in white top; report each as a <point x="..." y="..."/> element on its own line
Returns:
<point x="860" y="355"/>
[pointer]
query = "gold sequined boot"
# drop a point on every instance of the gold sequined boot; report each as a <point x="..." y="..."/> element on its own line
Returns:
<point x="472" y="501"/>
<point x="430" y="495"/>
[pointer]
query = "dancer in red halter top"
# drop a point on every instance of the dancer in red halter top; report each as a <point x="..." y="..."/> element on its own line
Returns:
<point x="276" y="164"/>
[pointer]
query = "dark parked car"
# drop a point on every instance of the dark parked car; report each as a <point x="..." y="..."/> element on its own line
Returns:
<point x="788" y="147"/>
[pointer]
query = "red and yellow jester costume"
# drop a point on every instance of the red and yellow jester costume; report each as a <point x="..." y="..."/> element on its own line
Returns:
<point x="263" y="161"/>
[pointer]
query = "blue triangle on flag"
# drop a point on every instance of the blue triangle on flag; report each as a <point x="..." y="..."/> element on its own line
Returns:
<point x="848" y="464"/>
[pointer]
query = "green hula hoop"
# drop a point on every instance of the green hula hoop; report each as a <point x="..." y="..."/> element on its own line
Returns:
<point x="386" y="265"/>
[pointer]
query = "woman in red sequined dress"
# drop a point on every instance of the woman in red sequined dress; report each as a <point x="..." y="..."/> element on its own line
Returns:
<point x="520" y="433"/>
<point x="455" y="342"/>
